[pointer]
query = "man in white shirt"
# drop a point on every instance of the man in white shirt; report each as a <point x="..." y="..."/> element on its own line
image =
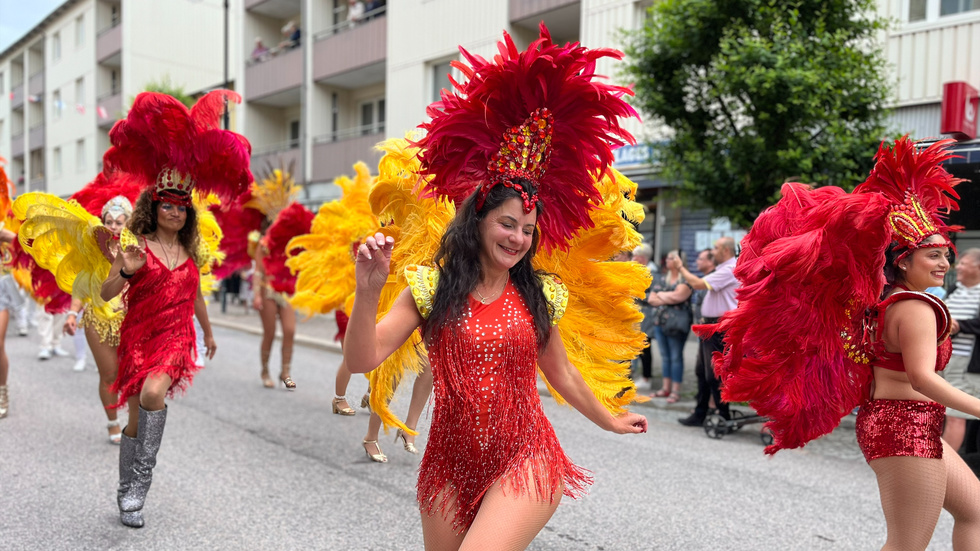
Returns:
<point x="964" y="305"/>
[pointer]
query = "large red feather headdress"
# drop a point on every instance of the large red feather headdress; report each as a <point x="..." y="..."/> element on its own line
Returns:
<point x="539" y="114"/>
<point x="919" y="189"/>
<point x="164" y="144"/>
<point x="96" y="197"/>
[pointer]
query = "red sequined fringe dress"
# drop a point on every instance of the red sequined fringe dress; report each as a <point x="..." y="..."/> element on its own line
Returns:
<point x="158" y="332"/>
<point x="488" y="424"/>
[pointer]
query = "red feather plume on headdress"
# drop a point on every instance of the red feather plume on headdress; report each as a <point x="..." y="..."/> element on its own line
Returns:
<point x="236" y="222"/>
<point x="5" y="192"/>
<point x="291" y="221"/>
<point x="99" y="191"/>
<point x="160" y="132"/>
<point x="469" y="126"/>
<point x="918" y="187"/>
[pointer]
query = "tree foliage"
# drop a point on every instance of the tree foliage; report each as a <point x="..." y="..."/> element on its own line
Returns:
<point x="758" y="91"/>
<point x="166" y="86"/>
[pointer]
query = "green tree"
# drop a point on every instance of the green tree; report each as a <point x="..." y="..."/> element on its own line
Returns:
<point x="758" y="91"/>
<point x="165" y="86"/>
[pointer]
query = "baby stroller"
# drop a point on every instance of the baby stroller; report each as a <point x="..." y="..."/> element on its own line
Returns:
<point x="716" y="426"/>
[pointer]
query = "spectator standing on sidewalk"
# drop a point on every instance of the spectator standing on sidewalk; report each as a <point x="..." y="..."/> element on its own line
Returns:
<point x="963" y="370"/>
<point x="642" y="255"/>
<point x="720" y="286"/>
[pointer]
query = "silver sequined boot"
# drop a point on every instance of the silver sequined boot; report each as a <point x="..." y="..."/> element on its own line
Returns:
<point x="127" y="453"/>
<point x="148" y="438"/>
<point x="4" y="404"/>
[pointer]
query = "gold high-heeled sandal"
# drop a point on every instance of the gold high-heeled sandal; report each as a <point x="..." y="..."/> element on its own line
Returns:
<point x="379" y="457"/>
<point x="366" y="401"/>
<point x="267" y="381"/>
<point x="117" y="437"/>
<point x="287" y="381"/>
<point x="346" y="410"/>
<point x="409" y="446"/>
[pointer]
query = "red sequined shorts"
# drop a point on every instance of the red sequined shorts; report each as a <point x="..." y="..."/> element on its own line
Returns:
<point x="894" y="428"/>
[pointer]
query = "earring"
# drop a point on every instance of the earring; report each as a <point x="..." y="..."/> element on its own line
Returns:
<point x="904" y="267"/>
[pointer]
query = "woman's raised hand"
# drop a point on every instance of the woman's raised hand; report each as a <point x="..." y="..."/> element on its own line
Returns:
<point x="134" y="257"/>
<point x="372" y="262"/>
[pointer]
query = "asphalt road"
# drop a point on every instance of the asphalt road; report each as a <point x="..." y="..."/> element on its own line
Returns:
<point x="243" y="467"/>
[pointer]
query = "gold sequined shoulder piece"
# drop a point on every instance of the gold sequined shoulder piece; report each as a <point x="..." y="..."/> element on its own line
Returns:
<point x="556" y="294"/>
<point x="422" y="280"/>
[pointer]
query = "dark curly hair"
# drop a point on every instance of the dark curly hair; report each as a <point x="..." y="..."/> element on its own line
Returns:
<point x="458" y="260"/>
<point x="144" y="221"/>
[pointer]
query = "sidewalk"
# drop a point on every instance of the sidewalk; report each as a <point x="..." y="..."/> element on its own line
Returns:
<point x="319" y="331"/>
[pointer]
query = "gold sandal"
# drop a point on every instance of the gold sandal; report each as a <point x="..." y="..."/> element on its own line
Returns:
<point x="345" y="410"/>
<point x="379" y="457"/>
<point x="409" y="446"/>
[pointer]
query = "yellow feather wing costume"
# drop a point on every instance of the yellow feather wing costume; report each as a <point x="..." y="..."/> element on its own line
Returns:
<point x="64" y="239"/>
<point x="600" y="328"/>
<point x="323" y="259"/>
<point x="417" y="224"/>
<point x="210" y="242"/>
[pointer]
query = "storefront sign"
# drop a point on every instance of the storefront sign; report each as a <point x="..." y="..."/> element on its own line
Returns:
<point x="959" y="111"/>
<point x="630" y="156"/>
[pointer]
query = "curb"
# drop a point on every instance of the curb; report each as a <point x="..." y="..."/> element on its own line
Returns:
<point x="311" y="342"/>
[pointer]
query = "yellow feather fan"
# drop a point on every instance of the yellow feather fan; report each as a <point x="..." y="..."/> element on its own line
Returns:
<point x="208" y="245"/>
<point x="600" y="328"/>
<point x="417" y="224"/>
<point x="323" y="259"/>
<point x="63" y="238"/>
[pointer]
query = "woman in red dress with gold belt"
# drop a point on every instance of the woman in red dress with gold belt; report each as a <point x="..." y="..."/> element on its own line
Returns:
<point x="493" y="472"/>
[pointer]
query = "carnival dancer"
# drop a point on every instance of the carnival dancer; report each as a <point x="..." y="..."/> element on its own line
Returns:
<point x="323" y="262"/>
<point x="519" y="160"/>
<point x="272" y="282"/>
<point x="833" y="313"/>
<point x="174" y="151"/>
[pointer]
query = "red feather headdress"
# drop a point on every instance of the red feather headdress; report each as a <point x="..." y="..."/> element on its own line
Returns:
<point x="95" y="196"/>
<point x="175" y="149"/>
<point x="537" y="114"/>
<point x="292" y="221"/>
<point x="919" y="189"/>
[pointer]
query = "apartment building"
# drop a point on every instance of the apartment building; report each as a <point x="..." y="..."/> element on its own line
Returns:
<point x="934" y="55"/>
<point x="70" y="78"/>
<point x="322" y="104"/>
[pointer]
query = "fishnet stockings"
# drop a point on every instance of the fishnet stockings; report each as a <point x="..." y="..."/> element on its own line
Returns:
<point x="913" y="492"/>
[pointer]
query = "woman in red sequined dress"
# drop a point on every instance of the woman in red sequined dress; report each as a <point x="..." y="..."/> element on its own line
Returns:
<point x="157" y="339"/>
<point x="493" y="472"/>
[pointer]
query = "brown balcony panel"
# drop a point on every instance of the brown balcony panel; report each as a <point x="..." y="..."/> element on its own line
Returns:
<point x="113" y="110"/>
<point x="35" y="86"/>
<point x="277" y="159"/>
<point x="277" y="74"/>
<point x="345" y="51"/>
<point x="109" y="43"/>
<point x="522" y="9"/>
<point x="17" y="145"/>
<point x="35" y="138"/>
<point x="17" y="96"/>
<point x="331" y="159"/>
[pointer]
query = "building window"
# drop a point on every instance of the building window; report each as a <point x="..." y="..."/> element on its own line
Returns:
<point x="373" y="117"/>
<point x="334" y="116"/>
<point x="80" y="158"/>
<point x="931" y="10"/>
<point x="56" y="46"/>
<point x="440" y="79"/>
<point x="952" y="7"/>
<point x="293" y="134"/>
<point x="1" y="82"/>
<point x="79" y="30"/>
<point x="114" y="15"/>
<point x="56" y="162"/>
<point x="56" y="104"/>
<point x="114" y="82"/>
<point x="80" y="95"/>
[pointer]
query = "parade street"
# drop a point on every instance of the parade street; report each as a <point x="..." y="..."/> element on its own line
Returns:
<point x="243" y="467"/>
